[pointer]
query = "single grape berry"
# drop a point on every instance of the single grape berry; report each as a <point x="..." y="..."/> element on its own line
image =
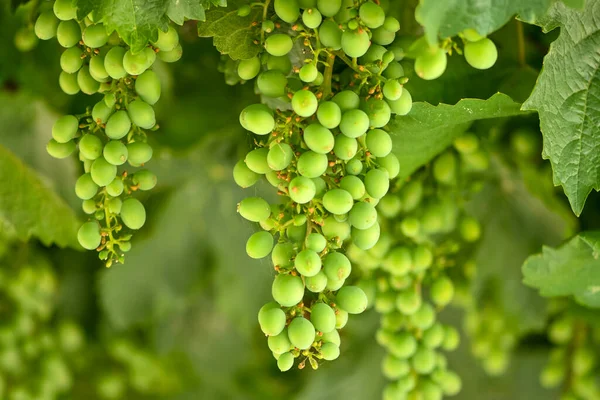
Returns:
<point x="113" y="62"/>
<point x="338" y="201"/>
<point x="86" y="81"/>
<point x="139" y="153"/>
<point x="355" y="43"/>
<point x="330" y="34"/>
<point x="431" y="64"/>
<point x="257" y="118"/>
<point x="141" y="114"/>
<point x="254" y="209"/>
<point x="60" y="150"/>
<point x="46" y="25"/>
<point x="68" y="33"/>
<point x="287" y="290"/>
<point x="118" y="125"/>
<point x="337" y="266"/>
<point x="65" y="128"/>
<point x="287" y="10"/>
<point x="167" y="41"/>
<point x="318" y="138"/>
<point x="147" y="86"/>
<point x="249" y="69"/>
<point x="301" y="333"/>
<point x="481" y="54"/>
<point x="133" y="213"/>
<point x="95" y="36"/>
<point x="311" y="164"/>
<point x="354" y="123"/>
<point x="115" y="152"/>
<point x="89" y="235"/>
<point x="135" y="64"/>
<point x="352" y="299"/>
<point x="85" y="187"/>
<point x="304" y="103"/>
<point x="285" y="362"/>
<point x="103" y="172"/>
<point x="279" y="44"/>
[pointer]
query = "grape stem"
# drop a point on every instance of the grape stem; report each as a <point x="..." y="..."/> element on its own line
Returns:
<point x="264" y="16"/>
<point x="521" y="44"/>
<point x="327" y="76"/>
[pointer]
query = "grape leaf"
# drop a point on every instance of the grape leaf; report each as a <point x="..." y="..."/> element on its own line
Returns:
<point x="232" y="34"/>
<point x="572" y="269"/>
<point x="14" y="4"/>
<point x="427" y="130"/>
<point x="180" y="10"/>
<point x="567" y="98"/>
<point x="31" y="208"/>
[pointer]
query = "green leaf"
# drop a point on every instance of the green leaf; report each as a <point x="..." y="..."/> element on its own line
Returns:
<point x="31" y="208"/>
<point x="567" y="98"/>
<point x="232" y="34"/>
<point x="572" y="269"/>
<point x="442" y="19"/>
<point x="180" y="10"/>
<point x="427" y="130"/>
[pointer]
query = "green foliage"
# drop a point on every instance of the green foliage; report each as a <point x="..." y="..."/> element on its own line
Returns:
<point x="566" y="98"/>
<point x="573" y="269"/>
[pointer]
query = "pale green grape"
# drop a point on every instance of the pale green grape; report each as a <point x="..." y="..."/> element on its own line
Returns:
<point x="133" y="213"/>
<point x="287" y="290"/>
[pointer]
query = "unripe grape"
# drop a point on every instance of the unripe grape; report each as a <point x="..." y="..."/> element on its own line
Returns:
<point x="257" y="118"/>
<point x="256" y="160"/>
<point x="394" y="71"/>
<point x="329" y="8"/>
<point x="268" y="26"/>
<point x="279" y="44"/>
<point x="68" y="33"/>
<point x="318" y="138"/>
<point x="365" y="239"/>
<point x="311" y="164"/>
<point x="316" y="242"/>
<point x="97" y="70"/>
<point x="337" y="266"/>
<point x="64" y="10"/>
<point x="60" y="150"/>
<point x="95" y="36"/>
<point x="147" y="86"/>
<point x="390" y="164"/>
<point x="330" y="351"/>
<point x="280" y="156"/>
<point x="301" y="190"/>
<point x="424" y="317"/>
<point x="398" y="261"/>
<point x="330" y="34"/>
<point x="322" y="317"/>
<point x="355" y="43"/>
<point x="312" y="18"/>
<point x="301" y="333"/>
<point x="450" y="383"/>
<point x="244" y="176"/>
<point x="89" y="235"/>
<point x="442" y="291"/>
<point x="281" y="63"/>
<point x="389" y="206"/>
<point x="354" y="123"/>
<point x="352" y="299"/>
<point x="254" y="209"/>
<point x="422" y="257"/>
<point x="115" y="188"/>
<point x="353" y="185"/>
<point x="115" y="152"/>
<point x="345" y="147"/>
<point x="431" y="64"/>
<point x="304" y="103"/>
<point x="316" y="283"/>
<point x="285" y="361"/>
<point x="141" y="114"/>
<point x="470" y="229"/>
<point x="309" y="73"/>
<point x="444" y="168"/>
<point x="287" y="290"/>
<point x="481" y="54"/>
<point x="46" y="25"/>
<point x="271" y="319"/>
<point x="135" y="64"/>
<point x="167" y="41"/>
<point x="362" y="216"/>
<point x="334" y="229"/>
<point x="103" y="172"/>
<point x="287" y="10"/>
<point x="408" y="301"/>
<point x="71" y="60"/>
<point x="282" y="254"/>
<point x="403" y="105"/>
<point x="332" y="337"/>
<point x="248" y="69"/>
<point x="402" y="345"/>
<point x="307" y="263"/>
<point x="139" y="153"/>
<point x="379" y="142"/>
<point x="471" y="35"/>
<point x="114" y="205"/>
<point x="68" y="83"/>
<point x="101" y="113"/>
<point x="272" y="83"/>
<point x="433" y="337"/>
<point x="377" y="182"/>
<point x="329" y="114"/>
<point x="144" y="179"/>
<point x="86" y="81"/>
<point x="346" y="100"/>
<point x="85" y="187"/>
<point x="88" y="206"/>
<point x="279" y="344"/>
<point x="424" y="360"/>
<point x="133" y="213"/>
<point x="118" y="125"/>
<point x="451" y="338"/>
<point x="338" y="201"/>
<point x="382" y="36"/>
<point x="392" y="90"/>
<point x="394" y="367"/>
<point x="113" y="62"/>
<point x="372" y="15"/>
<point x="341" y="318"/>
<point x="65" y="128"/>
<point x="171" y="56"/>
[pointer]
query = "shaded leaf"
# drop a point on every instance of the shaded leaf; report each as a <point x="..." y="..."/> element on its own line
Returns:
<point x="180" y="10"/>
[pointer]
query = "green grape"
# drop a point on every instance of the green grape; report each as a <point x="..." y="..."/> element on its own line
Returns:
<point x="332" y="337"/>
<point x="451" y="338"/>
<point x="323" y="317"/>
<point x="316" y="283"/>
<point x="372" y="15"/>
<point x="345" y="147"/>
<point x="330" y="351"/>
<point x="402" y="345"/>
<point x="167" y="41"/>
<point x="287" y="10"/>
<point x="244" y="176"/>
<point x="282" y="254"/>
<point x="139" y="153"/>
<point x="355" y="43"/>
<point x="382" y="36"/>
<point x="434" y="336"/>
<point x="271" y="319"/>
<point x="334" y="229"/>
<point x="338" y="201"/>
<point x="115" y="188"/>
<point x="444" y="168"/>
<point x="68" y="33"/>
<point x="316" y="242"/>
<point x="65" y="128"/>
<point x="403" y="105"/>
<point x="68" y="83"/>
<point x="147" y="86"/>
<point x="60" y="150"/>
<point x="450" y="383"/>
<point x="354" y="123"/>
<point x="118" y="125"/>
<point x="46" y="25"/>
<point x="301" y="190"/>
<point x="133" y="213"/>
<point x="471" y="35"/>
<point x="442" y="291"/>
<point x="103" y="172"/>
<point x="429" y="390"/>
<point x="279" y="44"/>
<point x="552" y="376"/>
<point x="141" y="114"/>
<point x="89" y="235"/>
<point x="352" y="299"/>
<point x="337" y="266"/>
<point x="114" y="205"/>
<point x="285" y="362"/>
<point x="308" y="263"/>
<point x="272" y="83"/>
<point x="71" y="60"/>
<point x="378" y="111"/>
<point x="171" y="56"/>
<point x="341" y="318"/>
<point x="287" y="290"/>
<point x="422" y="257"/>
<point x="257" y="118"/>
<point x="377" y="183"/>
<point x="424" y="317"/>
<point x="115" y="152"/>
<point x="279" y="344"/>
<point x="144" y="179"/>
<point x="467" y="143"/>
<point x="365" y="239"/>
<point x="392" y="90"/>
<point x="481" y="54"/>
<point x="301" y="333"/>
<point x="398" y="262"/>
<point x="424" y="360"/>
<point x="391" y="24"/>
<point x="311" y="164"/>
<point x="584" y="359"/>
<point x="280" y="156"/>
<point x="135" y="64"/>
<point x="394" y="367"/>
<point x="64" y="10"/>
<point x="95" y="36"/>
<point x="312" y="18"/>
<point x="318" y="138"/>
<point x="256" y="160"/>
<point x="379" y="142"/>
<point x="101" y="112"/>
<point x="88" y="206"/>
<point x="330" y="34"/>
<point x="249" y="69"/>
<point x="86" y="81"/>
<point x="346" y="100"/>
<point x="85" y="187"/>
<point x="281" y="63"/>
<point x="408" y="301"/>
<point x="362" y="216"/>
<point x="308" y="73"/>
<point x="329" y="8"/>
<point x="390" y="164"/>
<point x="431" y="64"/>
<point x="470" y="230"/>
<point x="389" y="206"/>
<point x="113" y="62"/>
<point x="354" y="186"/>
<point x="394" y="71"/>
<point x="304" y="103"/>
<point x="329" y="114"/>
<point x="254" y="209"/>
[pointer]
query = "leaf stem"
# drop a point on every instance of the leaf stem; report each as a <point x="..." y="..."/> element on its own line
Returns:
<point x="521" y="44"/>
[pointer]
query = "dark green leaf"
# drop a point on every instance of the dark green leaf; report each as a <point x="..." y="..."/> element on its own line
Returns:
<point x="180" y="10"/>
<point x="572" y="269"/>
<point x="427" y="130"/>
<point x="567" y="97"/>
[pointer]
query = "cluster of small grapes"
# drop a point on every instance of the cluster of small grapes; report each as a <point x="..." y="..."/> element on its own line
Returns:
<point x="431" y="61"/>
<point x="574" y="360"/>
<point x="323" y="145"/>
<point x="411" y="271"/>
<point x="114" y="131"/>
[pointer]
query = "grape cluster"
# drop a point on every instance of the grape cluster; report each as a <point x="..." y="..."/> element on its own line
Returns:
<point x="114" y="132"/>
<point x="322" y="144"/>
<point x="412" y="270"/>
